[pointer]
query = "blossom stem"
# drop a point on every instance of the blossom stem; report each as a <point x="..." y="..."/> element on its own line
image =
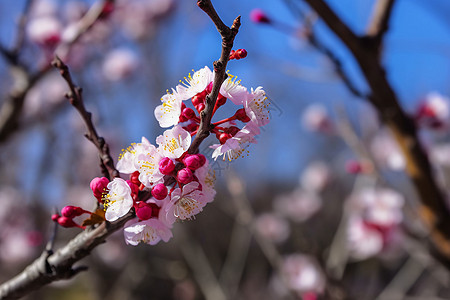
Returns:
<point x="225" y="120"/>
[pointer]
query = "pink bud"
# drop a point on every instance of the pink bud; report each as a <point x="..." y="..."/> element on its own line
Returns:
<point x="134" y="189"/>
<point x="188" y="113"/>
<point x="55" y="217"/>
<point x="159" y="191"/>
<point x="241" y="53"/>
<point x="192" y="162"/>
<point x="241" y="115"/>
<point x="185" y="176"/>
<point x="72" y="211"/>
<point x="353" y="167"/>
<point x="98" y="186"/>
<point x="202" y="159"/>
<point x="199" y="98"/>
<point x="233" y="130"/>
<point x="166" y="166"/>
<point x="143" y="211"/>
<point x="257" y="15"/>
<point x="200" y="107"/>
<point x="134" y="178"/>
<point x="68" y="222"/>
<point x="223" y="137"/>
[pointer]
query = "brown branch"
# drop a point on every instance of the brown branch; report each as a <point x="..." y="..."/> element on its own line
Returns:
<point x="76" y="99"/>
<point x="379" y="23"/>
<point x="433" y="210"/>
<point x="11" y="108"/>
<point x="220" y="66"/>
<point x="60" y="265"/>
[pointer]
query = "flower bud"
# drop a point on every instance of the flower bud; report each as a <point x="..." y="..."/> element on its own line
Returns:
<point x="134" y="178"/>
<point x="134" y="189"/>
<point x="98" y="186"/>
<point x="185" y="176"/>
<point x="241" y="53"/>
<point x="159" y="191"/>
<point x="68" y="223"/>
<point x="72" y="211"/>
<point x="223" y="137"/>
<point x="257" y="15"/>
<point x="200" y="107"/>
<point x="197" y="99"/>
<point x="55" y="217"/>
<point x="143" y="211"/>
<point x="193" y="162"/>
<point x="221" y="100"/>
<point x="166" y="166"/>
<point x="188" y="113"/>
<point x="241" y="115"/>
<point x="233" y="130"/>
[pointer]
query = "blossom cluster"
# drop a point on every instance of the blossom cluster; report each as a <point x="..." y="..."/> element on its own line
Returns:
<point x="171" y="182"/>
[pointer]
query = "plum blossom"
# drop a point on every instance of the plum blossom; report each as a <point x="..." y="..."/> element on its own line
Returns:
<point x="236" y="146"/>
<point x="150" y="231"/>
<point x="44" y="30"/>
<point x="185" y="203"/>
<point x="174" y="142"/>
<point x="233" y="90"/>
<point x="386" y="152"/>
<point x="127" y="160"/>
<point x="257" y="107"/>
<point x="168" y="113"/>
<point x="118" y="201"/>
<point x="362" y="241"/>
<point x="148" y="166"/>
<point x="196" y="83"/>
<point x="434" y="111"/>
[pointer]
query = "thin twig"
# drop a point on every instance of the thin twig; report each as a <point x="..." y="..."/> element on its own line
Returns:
<point x="379" y="23"/>
<point x="76" y="99"/>
<point x="228" y="35"/>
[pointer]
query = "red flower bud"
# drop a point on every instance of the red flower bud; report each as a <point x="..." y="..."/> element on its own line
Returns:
<point x="159" y="191"/>
<point x="185" y="176"/>
<point x="166" y="166"/>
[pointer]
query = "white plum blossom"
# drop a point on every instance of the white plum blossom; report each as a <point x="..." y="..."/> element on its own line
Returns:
<point x="174" y="142"/>
<point x="127" y="160"/>
<point x="118" y="201"/>
<point x="168" y="113"/>
<point x="236" y="146"/>
<point x="315" y="118"/>
<point x="150" y="231"/>
<point x="148" y="166"/>
<point x="196" y="83"/>
<point x="185" y="203"/>
<point x="387" y="152"/>
<point x="257" y="107"/>
<point x="233" y="90"/>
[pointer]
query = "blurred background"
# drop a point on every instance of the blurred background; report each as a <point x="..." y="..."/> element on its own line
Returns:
<point x="320" y="209"/>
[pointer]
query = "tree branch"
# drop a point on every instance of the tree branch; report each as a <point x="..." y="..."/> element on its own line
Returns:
<point x="76" y="99"/>
<point x="228" y="35"/>
<point x="433" y="209"/>
<point x="51" y="267"/>
<point x="379" y="23"/>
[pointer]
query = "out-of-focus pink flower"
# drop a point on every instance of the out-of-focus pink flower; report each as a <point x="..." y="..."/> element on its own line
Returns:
<point x="45" y="31"/>
<point x="386" y="152"/>
<point x="272" y="227"/>
<point x="434" y="110"/>
<point x="298" y="205"/>
<point x="302" y="274"/>
<point x="315" y="177"/>
<point x="373" y="226"/>
<point x="119" y="64"/>
<point x="257" y="15"/>
<point x="315" y="118"/>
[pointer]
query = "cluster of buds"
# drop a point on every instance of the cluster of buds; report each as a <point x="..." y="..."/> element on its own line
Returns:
<point x="68" y="213"/>
<point x="238" y="54"/>
<point x="166" y="182"/>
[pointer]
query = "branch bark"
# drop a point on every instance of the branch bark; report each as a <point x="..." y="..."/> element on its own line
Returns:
<point x="220" y="66"/>
<point x="432" y="210"/>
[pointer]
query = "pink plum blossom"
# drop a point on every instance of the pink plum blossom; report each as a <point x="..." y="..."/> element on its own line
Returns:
<point x="298" y="205"/>
<point x="185" y="203"/>
<point x="315" y="177"/>
<point x="272" y="227"/>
